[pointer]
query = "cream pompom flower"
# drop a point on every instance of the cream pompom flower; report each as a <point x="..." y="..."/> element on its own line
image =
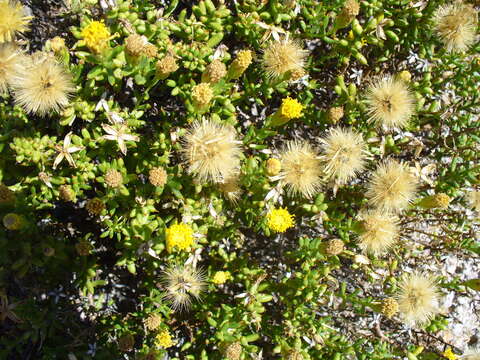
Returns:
<point x="283" y="56"/>
<point x="456" y="25"/>
<point x="211" y="151"/>
<point x="301" y="168"/>
<point x="392" y="187"/>
<point x="12" y="19"/>
<point x="390" y="103"/>
<point x="379" y="231"/>
<point x="344" y="154"/>
<point x="42" y="86"/>
<point x="182" y="283"/>
<point x="11" y="61"/>
<point x="417" y="298"/>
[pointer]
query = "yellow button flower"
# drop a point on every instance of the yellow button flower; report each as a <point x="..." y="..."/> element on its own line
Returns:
<point x="449" y="354"/>
<point x="164" y="339"/>
<point x="279" y="220"/>
<point x="291" y="108"/>
<point x="179" y="236"/>
<point x="221" y="277"/>
<point x="96" y="36"/>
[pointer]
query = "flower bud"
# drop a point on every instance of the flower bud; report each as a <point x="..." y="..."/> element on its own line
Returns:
<point x="334" y="247"/>
<point x="166" y="66"/>
<point x="214" y="72"/>
<point x="157" y="176"/>
<point x="274" y="166"/>
<point x="113" y="178"/>
<point x="334" y="114"/>
<point x="240" y="64"/>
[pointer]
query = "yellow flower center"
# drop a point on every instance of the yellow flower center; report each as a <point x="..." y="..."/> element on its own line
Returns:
<point x="291" y="108"/>
<point x="96" y="36"/>
<point x="279" y="220"/>
<point x="179" y="236"/>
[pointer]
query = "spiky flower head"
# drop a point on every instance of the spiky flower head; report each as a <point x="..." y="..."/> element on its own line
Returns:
<point x="166" y="66"/>
<point x="389" y="307"/>
<point x="221" y="277"/>
<point x="126" y="343"/>
<point x="273" y="167"/>
<point x="334" y="114"/>
<point x="6" y="195"/>
<point x="417" y="298"/>
<point x="379" y="231"/>
<point x="392" y="187"/>
<point x="471" y="354"/>
<point x="301" y="168"/>
<point x="474" y="199"/>
<point x="231" y="189"/>
<point x="211" y="151"/>
<point x="214" y="72"/>
<point x="240" y="64"/>
<point x="12" y="221"/>
<point x="202" y="94"/>
<point x="10" y="63"/>
<point x="344" y="154"/>
<point x="456" y="25"/>
<point x="42" y="85"/>
<point x="233" y="351"/>
<point x="66" y="193"/>
<point x="281" y="57"/>
<point x="179" y="236"/>
<point x="96" y="36"/>
<point x="440" y="201"/>
<point x="334" y="247"/>
<point x="390" y="103"/>
<point x="350" y="10"/>
<point x="12" y="19"/>
<point x="95" y="206"/>
<point x="164" y="339"/>
<point x="182" y="283"/>
<point x="157" y="176"/>
<point x="113" y="178"/>
<point x="134" y="44"/>
<point x="280" y="220"/>
<point x="57" y="44"/>
<point x="153" y="321"/>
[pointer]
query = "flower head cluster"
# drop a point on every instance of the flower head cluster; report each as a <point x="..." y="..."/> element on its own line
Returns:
<point x="113" y="178"/>
<point x="95" y="206"/>
<point x="157" y="176"/>
<point x="231" y="189"/>
<point x="202" y="94"/>
<point x="392" y="187"/>
<point x="390" y="103"/>
<point x="211" y="151"/>
<point x="456" y="25"/>
<point x="280" y="220"/>
<point x="389" y="307"/>
<point x="164" y="339"/>
<point x="179" y="236"/>
<point x="301" y="168"/>
<point x="290" y="108"/>
<point x="42" y="85"/>
<point x="166" y="66"/>
<point x="12" y="221"/>
<point x="281" y="57"/>
<point x="379" y="232"/>
<point x="344" y="153"/>
<point x="153" y="321"/>
<point x="96" y="36"/>
<point x="138" y="45"/>
<point x="214" y="72"/>
<point x="12" y="19"/>
<point x="418" y="298"/>
<point x="181" y="284"/>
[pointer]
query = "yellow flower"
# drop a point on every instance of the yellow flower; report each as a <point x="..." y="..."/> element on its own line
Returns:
<point x="449" y="354"/>
<point x="291" y="108"/>
<point x="164" y="339"/>
<point x="96" y="36"/>
<point x="221" y="277"/>
<point x="179" y="236"/>
<point x="279" y="220"/>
